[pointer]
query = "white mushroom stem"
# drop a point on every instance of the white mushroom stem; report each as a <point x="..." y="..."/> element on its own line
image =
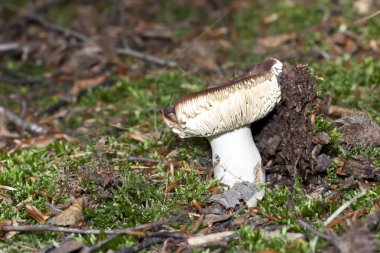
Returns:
<point x="236" y="157"/>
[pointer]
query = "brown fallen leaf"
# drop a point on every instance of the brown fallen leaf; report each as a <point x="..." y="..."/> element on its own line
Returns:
<point x="5" y="197"/>
<point x="72" y="216"/>
<point x="39" y="141"/>
<point x="210" y="219"/>
<point x="276" y="40"/>
<point x="137" y="136"/>
<point x="85" y="84"/>
<point x="36" y="214"/>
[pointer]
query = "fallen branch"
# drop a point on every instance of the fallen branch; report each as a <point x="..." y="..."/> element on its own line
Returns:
<point x="210" y="239"/>
<point x="31" y="81"/>
<point x="22" y="123"/>
<point x="140" y="159"/>
<point x="50" y="228"/>
<point x="12" y="46"/>
<point x="314" y="230"/>
<point x="98" y="245"/>
<point x="364" y="20"/>
<point x="146" y="57"/>
<point x="144" y="244"/>
<point x="58" y="29"/>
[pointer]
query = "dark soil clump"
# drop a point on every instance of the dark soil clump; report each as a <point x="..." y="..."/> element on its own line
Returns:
<point x="284" y="137"/>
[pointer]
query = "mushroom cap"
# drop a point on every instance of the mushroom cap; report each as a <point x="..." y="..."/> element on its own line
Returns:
<point x="239" y="102"/>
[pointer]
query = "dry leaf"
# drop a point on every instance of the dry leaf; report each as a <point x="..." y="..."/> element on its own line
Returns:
<point x="8" y="188"/>
<point x="72" y="216"/>
<point x="85" y="84"/>
<point x="36" y="214"/>
<point x="40" y="141"/>
<point x="137" y="136"/>
<point x="210" y="219"/>
<point x="277" y="40"/>
<point x="5" y="197"/>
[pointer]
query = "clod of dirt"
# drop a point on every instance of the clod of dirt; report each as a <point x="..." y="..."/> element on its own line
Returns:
<point x="356" y="130"/>
<point x="285" y="137"/>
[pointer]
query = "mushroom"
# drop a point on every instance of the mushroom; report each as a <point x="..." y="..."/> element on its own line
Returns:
<point x="223" y="114"/>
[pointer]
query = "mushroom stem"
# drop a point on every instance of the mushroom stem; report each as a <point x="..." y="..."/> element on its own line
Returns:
<point x="236" y="157"/>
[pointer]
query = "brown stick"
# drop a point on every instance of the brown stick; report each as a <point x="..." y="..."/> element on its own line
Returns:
<point x="314" y="230"/>
<point x="12" y="46"/>
<point x="23" y="123"/>
<point x="364" y="20"/>
<point x="146" y="57"/>
<point x="49" y="26"/>
<point x="140" y="159"/>
<point x="50" y="228"/>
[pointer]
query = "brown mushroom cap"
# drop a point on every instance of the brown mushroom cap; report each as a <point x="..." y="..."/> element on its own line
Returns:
<point x="229" y="106"/>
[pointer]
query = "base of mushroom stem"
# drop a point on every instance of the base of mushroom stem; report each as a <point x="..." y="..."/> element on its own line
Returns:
<point x="236" y="157"/>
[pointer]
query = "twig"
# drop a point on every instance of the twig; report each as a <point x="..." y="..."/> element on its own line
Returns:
<point x="177" y="235"/>
<point x="154" y="238"/>
<point x="49" y="26"/>
<point x="12" y="46"/>
<point x="336" y="214"/>
<point x="314" y="230"/>
<point x="100" y="244"/>
<point x="49" y="228"/>
<point x="144" y="244"/>
<point x="31" y="81"/>
<point x="343" y="207"/>
<point x="364" y="20"/>
<point x="22" y="123"/>
<point x="210" y="239"/>
<point x="54" y="107"/>
<point x="146" y="57"/>
<point x="140" y="159"/>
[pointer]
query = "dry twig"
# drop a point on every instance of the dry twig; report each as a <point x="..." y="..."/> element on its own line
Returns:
<point x="49" y="228"/>
<point x="146" y="57"/>
<point x="22" y="123"/>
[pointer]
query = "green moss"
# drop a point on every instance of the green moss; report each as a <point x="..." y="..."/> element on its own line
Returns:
<point x="346" y="79"/>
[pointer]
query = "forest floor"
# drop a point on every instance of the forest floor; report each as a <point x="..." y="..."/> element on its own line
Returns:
<point x="88" y="165"/>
